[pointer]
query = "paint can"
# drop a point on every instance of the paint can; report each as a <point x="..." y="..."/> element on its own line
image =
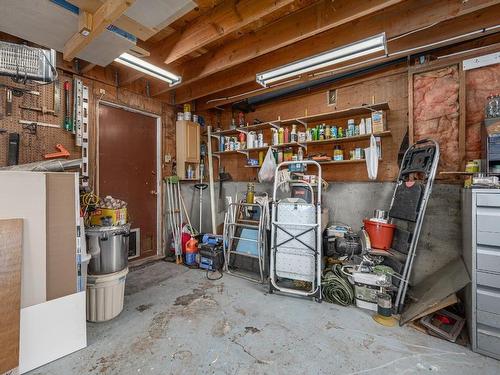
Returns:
<point x="384" y="304"/>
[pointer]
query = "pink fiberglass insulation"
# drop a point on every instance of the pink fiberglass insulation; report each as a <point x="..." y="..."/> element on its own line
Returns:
<point x="436" y="112"/>
<point x="480" y="83"/>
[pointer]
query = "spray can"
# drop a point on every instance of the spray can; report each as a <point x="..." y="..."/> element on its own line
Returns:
<point x="275" y="136"/>
<point x="286" y="136"/>
<point x="281" y="136"/>
<point x="260" y="139"/>
<point x="334" y="132"/>
<point x="221" y="143"/>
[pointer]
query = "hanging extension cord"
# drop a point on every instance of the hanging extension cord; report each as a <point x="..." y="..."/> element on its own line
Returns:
<point x="336" y="287"/>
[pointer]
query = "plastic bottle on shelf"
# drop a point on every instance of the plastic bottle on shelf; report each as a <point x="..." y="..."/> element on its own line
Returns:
<point x="300" y="154"/>
<point x="321" y="136"/>
<point x="309" y="135"/>
<point x="275" y="137"/>
<point x="340" y="132"/>
<point x="281" y="136"/>
<point x="293" y="134"/>
<point x="328" y="132"/>
<point x="286" y="136"/>
<point x="362" y="127"/>
<point x="233" y="123"/>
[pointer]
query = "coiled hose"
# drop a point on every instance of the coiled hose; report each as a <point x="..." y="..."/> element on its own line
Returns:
<point x="336" y="287"/>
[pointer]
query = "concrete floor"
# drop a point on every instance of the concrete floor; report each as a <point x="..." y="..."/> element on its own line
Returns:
<point x="175" y="321"/>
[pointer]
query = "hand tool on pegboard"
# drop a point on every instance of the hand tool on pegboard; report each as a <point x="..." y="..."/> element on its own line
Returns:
<point x="8" y="102"/>
<point x="18" y="91"/>
<point x="57" y="98"/>
<point x="32" y="125"/>
<point x="42" y="110"/>
<point x="61" y="153"/>
<point x="68" y="123"/>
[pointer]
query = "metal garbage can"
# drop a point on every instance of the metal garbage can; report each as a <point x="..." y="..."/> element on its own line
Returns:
<point x="108" y="248"/>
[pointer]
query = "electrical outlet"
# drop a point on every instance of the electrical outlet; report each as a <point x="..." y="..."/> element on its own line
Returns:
<point x="168" y="158"/>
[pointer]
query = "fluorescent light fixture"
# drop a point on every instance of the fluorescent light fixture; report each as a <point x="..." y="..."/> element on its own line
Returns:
<point x="143" y="66"/>
<point x="351" y="51"/>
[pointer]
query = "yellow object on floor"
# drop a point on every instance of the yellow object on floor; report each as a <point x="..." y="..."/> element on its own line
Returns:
<point x="387" y="321"/>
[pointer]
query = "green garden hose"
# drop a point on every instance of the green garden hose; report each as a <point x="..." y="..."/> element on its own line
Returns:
<point x="336" y="287"/>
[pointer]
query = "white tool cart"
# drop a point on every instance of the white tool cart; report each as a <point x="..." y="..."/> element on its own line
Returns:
<point x="481" y="246"/>
<point x="296" y="239"/>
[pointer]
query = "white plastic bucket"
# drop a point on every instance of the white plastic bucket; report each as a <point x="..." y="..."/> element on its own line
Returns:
<point x="105" y="295"/>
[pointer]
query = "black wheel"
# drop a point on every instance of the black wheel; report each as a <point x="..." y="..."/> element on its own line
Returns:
<point x="271" y="289"/>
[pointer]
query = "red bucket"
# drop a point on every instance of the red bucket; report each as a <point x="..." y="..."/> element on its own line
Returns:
<point x="380" y="234"/>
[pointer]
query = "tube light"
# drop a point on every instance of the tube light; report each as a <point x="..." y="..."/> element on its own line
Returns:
<point x="143" y="66"/>
<point x="351" y="51"/>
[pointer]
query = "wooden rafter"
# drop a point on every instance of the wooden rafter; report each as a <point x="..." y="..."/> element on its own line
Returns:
<point x="224" y="19"/>
<point x="106" y="14"/>
<point x="298" y="26"/>
<point x="409" y="16"/>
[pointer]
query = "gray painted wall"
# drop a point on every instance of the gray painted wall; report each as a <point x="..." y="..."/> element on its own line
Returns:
<point x="351" y="202"/>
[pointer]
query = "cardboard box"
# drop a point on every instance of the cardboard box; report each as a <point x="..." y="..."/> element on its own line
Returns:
<point x="378" y="122"/>
<point x="109" y="217"/>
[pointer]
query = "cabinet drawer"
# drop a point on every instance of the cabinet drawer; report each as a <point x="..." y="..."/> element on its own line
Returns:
<point x="488" y="200"/>
<point x="488" y="258"/>
<point x="488" y="300"/>
<point x="488" y="318"/>
<point x="489" y="280"/>
<point x="488" y="226"/>
<point x="488" y="339"/>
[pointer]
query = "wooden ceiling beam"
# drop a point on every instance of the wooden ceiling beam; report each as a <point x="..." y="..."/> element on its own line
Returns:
<point x="104" y="16"/>
<point x="224" y="19"/>
<point x="395" y="21"/>
<point x="298" y="26"/>
<point x="123" y="22"/>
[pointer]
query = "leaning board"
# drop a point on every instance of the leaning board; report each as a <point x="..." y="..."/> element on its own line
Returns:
<point x="11" y="232"/>
<point x="23" y="196"/>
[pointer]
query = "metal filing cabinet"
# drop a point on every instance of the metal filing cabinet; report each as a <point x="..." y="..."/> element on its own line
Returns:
<point x="481" y="246"/>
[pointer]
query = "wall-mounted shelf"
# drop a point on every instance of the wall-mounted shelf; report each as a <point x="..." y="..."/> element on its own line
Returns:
<point x="312" y="143"/>
<point x="304" y="120"/>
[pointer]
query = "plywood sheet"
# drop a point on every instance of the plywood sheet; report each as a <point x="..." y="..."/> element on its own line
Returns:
<point x="11" y="233"/>
<point x="61" y="235"/>
<point x="52" y="330"/>
<point x="156" y="13"/>
<point x="23" y="196"/>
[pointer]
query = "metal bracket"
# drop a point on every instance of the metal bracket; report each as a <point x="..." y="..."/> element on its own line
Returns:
<point x="242" y="152"/>
<point x="275" y="125"/>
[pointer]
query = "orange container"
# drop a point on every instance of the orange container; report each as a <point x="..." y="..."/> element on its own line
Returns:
<point x="381" y="234"/>
<point x="191" y="250"/>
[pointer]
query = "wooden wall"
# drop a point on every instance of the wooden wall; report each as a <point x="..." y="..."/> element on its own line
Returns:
<point x="387" y="86"/>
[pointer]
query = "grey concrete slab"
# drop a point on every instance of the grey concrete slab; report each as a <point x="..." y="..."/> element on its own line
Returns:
<point x="185" y="324"/>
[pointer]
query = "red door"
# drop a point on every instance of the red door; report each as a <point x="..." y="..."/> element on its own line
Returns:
<point x="128" y="168"/>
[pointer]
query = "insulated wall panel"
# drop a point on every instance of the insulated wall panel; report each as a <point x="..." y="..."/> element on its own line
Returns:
<point x="436" y="112"/>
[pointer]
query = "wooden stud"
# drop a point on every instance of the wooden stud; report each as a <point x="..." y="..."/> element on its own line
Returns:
<point x="224" y="19"/>
<point x="390" y="20"/>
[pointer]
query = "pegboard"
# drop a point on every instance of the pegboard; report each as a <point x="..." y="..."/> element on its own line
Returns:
<point x="34" y="146"/>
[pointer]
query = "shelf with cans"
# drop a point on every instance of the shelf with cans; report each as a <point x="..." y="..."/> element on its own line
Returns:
<point x="300" y="134"/>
